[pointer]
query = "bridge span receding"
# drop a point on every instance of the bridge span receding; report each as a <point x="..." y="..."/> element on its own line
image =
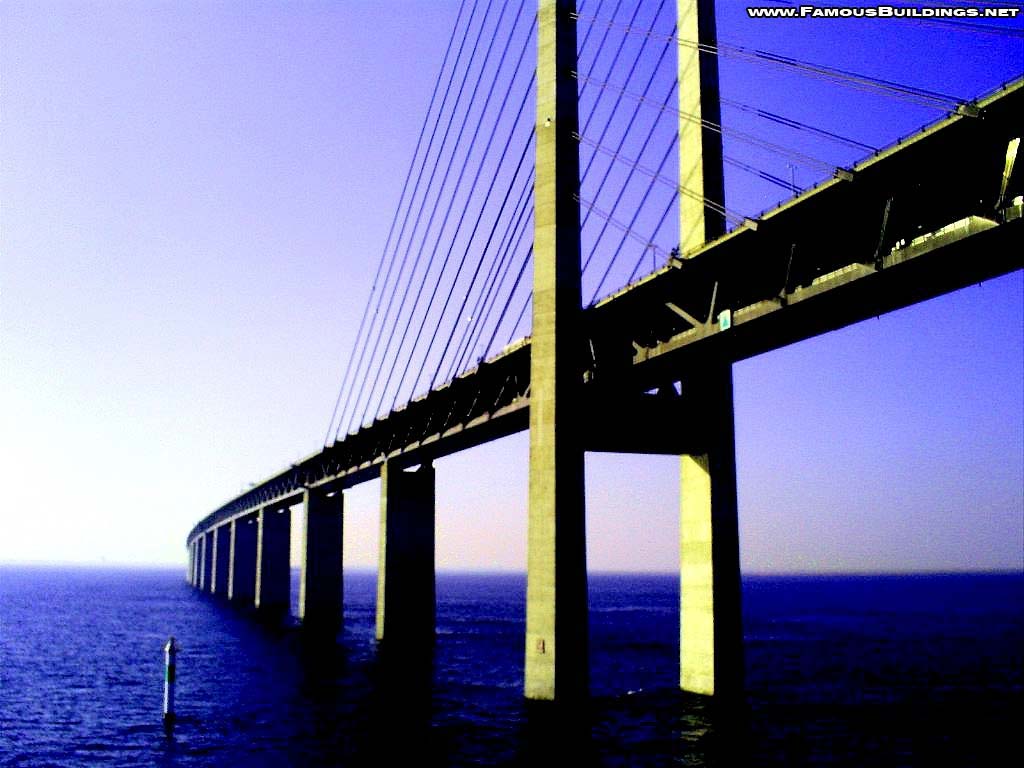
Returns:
<point x="936" y="212"/>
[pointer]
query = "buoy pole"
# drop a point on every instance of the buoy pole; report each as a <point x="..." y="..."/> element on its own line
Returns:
<point x="170" y="654"/>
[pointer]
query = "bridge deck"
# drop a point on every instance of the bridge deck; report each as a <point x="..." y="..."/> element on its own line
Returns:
<point x="919" y="219"/>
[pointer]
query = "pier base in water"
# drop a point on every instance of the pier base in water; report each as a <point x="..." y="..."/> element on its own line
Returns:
<point x="405" y="575"/>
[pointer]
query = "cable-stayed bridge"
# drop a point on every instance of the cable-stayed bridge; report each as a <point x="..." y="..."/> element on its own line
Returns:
<point x="572" y="167"/>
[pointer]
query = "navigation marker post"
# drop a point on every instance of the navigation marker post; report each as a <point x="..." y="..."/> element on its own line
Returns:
<point x="170" y="658"/>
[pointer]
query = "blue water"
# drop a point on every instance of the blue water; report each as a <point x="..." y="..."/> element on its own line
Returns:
<point x="883" y="671"/>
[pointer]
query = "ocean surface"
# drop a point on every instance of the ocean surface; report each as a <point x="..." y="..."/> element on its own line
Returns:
<point x="858" y="671"/>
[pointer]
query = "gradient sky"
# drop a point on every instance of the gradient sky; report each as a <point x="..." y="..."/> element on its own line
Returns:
<point x="194" y="196"/>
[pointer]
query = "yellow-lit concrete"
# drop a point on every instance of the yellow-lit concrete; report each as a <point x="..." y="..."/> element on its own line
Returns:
<point x="556" y="660"/>
<point x="710" y="628"/>
<point x="710" y="632"/>
<point x="700" y="149"/>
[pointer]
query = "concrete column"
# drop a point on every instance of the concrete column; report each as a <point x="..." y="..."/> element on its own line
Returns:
<point x="273" y="543"/>
<point x="556" y="653"/>
<point x="405" y="570"/>
<point x="188" y="565"/>
<point x="221" y="560"/>
<point x="206" y="571"/>
<point x="242" y="565"/>
<point x="320" y="586"/>
<point x="700" y="149"/>
<point x="211" y="584"/>
<point x="232" y="535"/>
<point x="197" y="561"/>
<point x="710" y="626"/>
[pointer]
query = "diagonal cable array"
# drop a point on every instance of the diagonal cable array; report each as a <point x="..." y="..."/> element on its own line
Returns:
<point x="625" y="200"/>
<point x="449" y="230"/>
<point x="452" y="281"/>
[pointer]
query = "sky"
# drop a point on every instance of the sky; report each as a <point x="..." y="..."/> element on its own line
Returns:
<point x="193" y="197"/>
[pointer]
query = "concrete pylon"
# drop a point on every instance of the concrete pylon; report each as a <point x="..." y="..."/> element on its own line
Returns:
<point x="406" y="601"/>
<point x="211" y="545"/>
<point x="320" y="586"/>
<point x="710" y="626"/>
<point x="700" y="148"/>
<point x="221" y="560"/>
<point x="273" y="545"/>
<point x="242" y="566"/>
<point x="206" y="566"/>
<point x="556" y="653"/>
<point x="197" y="565"/>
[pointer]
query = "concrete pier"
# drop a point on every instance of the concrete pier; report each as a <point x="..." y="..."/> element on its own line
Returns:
<point x="405" y="572"/>
<point x="320" y="586"/>
<point x="242" y="565"/>
<point x="273" y="543"/>
<point x="221" y="560"/>
<point x="206" y="565"/>
<point x="556" y="653"/>
<point x="710" y="627"/>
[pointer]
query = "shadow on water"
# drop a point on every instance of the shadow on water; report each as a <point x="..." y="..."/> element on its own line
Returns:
<point x="557" y="734"/>
<point x="398" y="711"/>
<point x="663" y="727"/>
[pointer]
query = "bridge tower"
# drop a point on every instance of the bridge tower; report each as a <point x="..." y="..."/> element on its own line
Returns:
<point x="556" y="665"/>
<point x="710" y="624"/>
<point x="556" y="601"/>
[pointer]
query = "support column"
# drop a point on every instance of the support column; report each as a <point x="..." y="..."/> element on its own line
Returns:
<point x="221" y="560"/>
<point x="700" y="148"/>
<point x="197" y="561"/>
<point x="242" y="568"/>
<point x="189" y="565"/>
<point x="556" y="663"/>
<point x="320" y="587"/>
<point x="206" y="568"/>
<point x="710" y="626"/>
<point x="406" y="599"/>
<point x="273" y="542"/>
<point x="211" y="584"/>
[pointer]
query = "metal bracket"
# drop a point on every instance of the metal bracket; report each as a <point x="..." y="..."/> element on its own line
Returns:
<point x="883" y="232"/>
<point x="1008" y="167"/>
<point x="711" y="310"/>
<point x="784" y="293"/>
<point x="683" y="314"/>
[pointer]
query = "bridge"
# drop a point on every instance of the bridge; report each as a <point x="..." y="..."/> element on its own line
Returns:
<point x="646" y="369"/>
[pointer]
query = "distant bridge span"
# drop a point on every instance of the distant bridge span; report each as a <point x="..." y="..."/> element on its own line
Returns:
<point x="936" y="212"/>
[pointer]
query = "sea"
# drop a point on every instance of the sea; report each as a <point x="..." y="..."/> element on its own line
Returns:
<point x="840" y="671"/>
